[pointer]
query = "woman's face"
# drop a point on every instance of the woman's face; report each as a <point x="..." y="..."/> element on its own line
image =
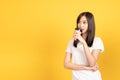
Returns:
<point x="83" y="24"/>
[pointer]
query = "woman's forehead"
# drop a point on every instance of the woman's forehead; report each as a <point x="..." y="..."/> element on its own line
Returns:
<point x="83" y="18"/>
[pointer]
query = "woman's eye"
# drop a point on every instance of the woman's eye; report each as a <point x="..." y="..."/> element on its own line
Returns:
<point x="84" y="22"/>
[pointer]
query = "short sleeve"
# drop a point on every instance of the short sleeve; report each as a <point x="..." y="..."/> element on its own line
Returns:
<point x="98" y="44"/>
<point x="69" y="47"/>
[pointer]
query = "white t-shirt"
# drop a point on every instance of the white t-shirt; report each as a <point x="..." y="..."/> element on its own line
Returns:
<point x="79" y="57"/>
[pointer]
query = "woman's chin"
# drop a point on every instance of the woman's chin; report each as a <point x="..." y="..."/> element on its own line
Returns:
<point x="83" y="32"/>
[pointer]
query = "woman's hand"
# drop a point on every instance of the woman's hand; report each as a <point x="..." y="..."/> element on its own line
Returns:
<point x="94" y="68"/>
<point x="77" y="35"/>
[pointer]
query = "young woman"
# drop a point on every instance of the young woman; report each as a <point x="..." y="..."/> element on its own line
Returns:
<point x="86" y="52"/>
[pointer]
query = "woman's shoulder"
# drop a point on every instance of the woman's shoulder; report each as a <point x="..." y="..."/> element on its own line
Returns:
<point x="71" y="40"/>
<point x="97" y="38"/>
<point x="98" y="44"/>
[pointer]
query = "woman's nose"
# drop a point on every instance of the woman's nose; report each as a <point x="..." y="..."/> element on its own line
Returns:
<point x="81" y="25"/>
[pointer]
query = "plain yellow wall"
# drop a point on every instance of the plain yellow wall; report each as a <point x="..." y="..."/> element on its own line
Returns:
<point x="34" y="35"/>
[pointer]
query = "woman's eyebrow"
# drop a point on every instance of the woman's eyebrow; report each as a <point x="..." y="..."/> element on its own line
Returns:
<point x="83" y="20"/>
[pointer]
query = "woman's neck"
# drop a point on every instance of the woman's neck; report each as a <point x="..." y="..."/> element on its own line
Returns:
<point x="84" y="35"/>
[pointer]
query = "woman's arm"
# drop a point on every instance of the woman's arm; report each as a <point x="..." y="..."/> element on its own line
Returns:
<point x="92" y="57"/>
<point x="69" y="65"/>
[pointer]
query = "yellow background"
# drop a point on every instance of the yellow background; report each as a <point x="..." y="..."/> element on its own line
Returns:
<point x="34" y="35"/>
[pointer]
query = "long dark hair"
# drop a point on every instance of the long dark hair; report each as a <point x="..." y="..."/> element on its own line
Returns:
<point x="91" y="27"/>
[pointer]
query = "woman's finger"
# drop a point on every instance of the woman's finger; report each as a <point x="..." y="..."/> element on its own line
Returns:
<point x="77" y="32"/>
